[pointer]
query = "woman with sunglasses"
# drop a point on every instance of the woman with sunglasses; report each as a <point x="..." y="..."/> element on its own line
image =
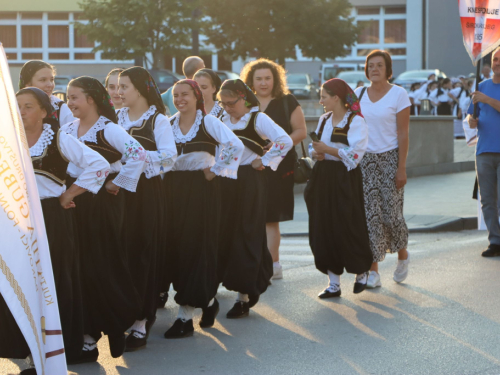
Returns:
<point x="245" y="263"/>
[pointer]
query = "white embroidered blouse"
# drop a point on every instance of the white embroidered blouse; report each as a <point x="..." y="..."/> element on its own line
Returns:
<point x="231" y="148"/>
<point x="357" y="137"/>
<point x="162" y="160"/>
<point x="95" y="168"/>
<point x="133" y="154"/>
<point x="267" y="129"/>
<point x="65" y="114"/>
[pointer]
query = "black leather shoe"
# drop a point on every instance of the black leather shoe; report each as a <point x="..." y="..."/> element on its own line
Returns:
<point x="491" y="251"/>
<point x="209" y="315"/>
<point x="149" y="325"/>
<point x="239" y="310"/>
<point x="116" y="344"/>
<point x="330" y="292"/>
<point x="253" y="299"/>
<point x="87" y="356"/>
<point x="180" y="330"/>
<point x="28" y="371"/>
<point x="134" y="343"/>
<point x="162" y="300"/>
<point x="358" y="288"/>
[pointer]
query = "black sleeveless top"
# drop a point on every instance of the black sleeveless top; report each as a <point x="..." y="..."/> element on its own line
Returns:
<point x="339" y="135"/>
<point x="250" y="137"/>
<point x="107" y="151"/>
<point x="52" y="163"/>
<point x="145" y="133"/>
<point x="203" y="141"/>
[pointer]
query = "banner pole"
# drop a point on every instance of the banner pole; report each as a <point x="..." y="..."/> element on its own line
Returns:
<point x="478" y="76"/>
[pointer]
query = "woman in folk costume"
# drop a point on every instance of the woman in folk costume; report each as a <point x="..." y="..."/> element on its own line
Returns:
<point x="193" y="195"/>
<point x="245" y="263"/>
<point x="143" y="117"/>
<point x="338" y="233"/>
<point x="39" y="74"/>
<point x="111" y="302"/>
<point x="209" y="83"/>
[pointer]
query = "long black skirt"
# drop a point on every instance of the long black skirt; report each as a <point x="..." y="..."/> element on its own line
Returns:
<point x="191" y="254"/>
<point x="245" y="264"/>
<point x="143" y="239"/>
<point x="338" y="233"/>
<point x="111" y="302"/>
<point x="279" y="185"/>
<point x="60" y="225"/>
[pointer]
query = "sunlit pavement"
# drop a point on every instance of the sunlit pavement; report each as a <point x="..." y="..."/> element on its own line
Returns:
<point x="445" y="319"/>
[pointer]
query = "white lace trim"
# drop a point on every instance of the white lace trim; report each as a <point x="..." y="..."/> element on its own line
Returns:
<point x="343" y="123"/>
<point x="224" y="172"/>
<point x="242" y="122"/>
<point x="348" y="157"/>
<point x="181" y="138"/>
<point x="125" y="182"/>
<point x="125" y="122"/>
<point x="45" y="140"/>
<point x="215" y="110"/>
<point x="91" y="135"/>
<point x="54" y="100"/>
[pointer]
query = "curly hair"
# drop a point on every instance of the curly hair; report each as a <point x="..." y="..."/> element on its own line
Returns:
<point x="280" y="87"/>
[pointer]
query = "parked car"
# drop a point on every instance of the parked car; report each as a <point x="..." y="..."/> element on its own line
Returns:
<point x="406" y="79"/>
<point x="332" y="70"/>
<point x="352" y="78"/>
<point x="226" y="74"/>
<point x="164" y="78"/>
<point x="302" y="86"/>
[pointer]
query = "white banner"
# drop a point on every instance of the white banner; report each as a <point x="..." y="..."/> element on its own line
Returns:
<point x="26" y="278"/>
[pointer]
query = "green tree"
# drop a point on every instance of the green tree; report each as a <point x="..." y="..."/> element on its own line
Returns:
<point x="273" y="28"/>
<point x="127" y="29"/>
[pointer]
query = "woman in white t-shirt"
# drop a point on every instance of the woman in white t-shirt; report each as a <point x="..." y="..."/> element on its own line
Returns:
<point x="386" y="109"/>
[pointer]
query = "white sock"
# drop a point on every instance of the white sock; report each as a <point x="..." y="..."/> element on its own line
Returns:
<point x="89" y="343"/>
<point x="242" y="298"/>
<point x="139" y="328"/>
<point x="334" y="278"/>
<point x="276" y="264"/>
<point x="211" y="302"/>
<point x="186" y="313"/>
<point x="363" y="278"/>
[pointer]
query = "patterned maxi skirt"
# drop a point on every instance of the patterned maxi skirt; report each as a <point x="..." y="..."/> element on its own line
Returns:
<point x="383" y="204"/>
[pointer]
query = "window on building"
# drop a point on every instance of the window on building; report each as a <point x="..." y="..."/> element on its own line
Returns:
<point x="11" y="56"/>
<point x="58" y="56"/>
<point x="81" y="40"/>
<point x="8" y="36"/>
<point x="31" y="15"/>
<point x="395" y="31"/>
<point x="368" y="10"/>
<point x="32" y="56"/>
<point x="396" y="51"/>
<point x="58" y="16"/>
<point x="395" y="10"/>
<point x="31" y="36"/>
<point x="369" y="32"/>
<point x="8" y="15"/>
<point x="84" y="56"/>
<point x="58" y="36"/>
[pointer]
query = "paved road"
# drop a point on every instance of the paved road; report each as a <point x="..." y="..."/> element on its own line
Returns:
<point x="444" y="320"/>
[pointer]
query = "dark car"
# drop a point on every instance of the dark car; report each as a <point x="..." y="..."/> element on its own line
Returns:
<point x="302" y="86"/>
<point x="406" y="79"/>
<point x="226" y="74"/>
<point x="164" y="78"/>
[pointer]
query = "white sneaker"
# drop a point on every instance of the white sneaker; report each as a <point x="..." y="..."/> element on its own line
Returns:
<point x="277" y="272"/>
<point x="401" y="272"/>
<point x="373" y="280"/>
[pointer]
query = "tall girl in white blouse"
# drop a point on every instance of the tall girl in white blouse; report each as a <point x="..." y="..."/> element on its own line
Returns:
<point x="245" y="263"/>
<point x="193" y="198"/>
<point x="111" y="303"/>
<point x="338" y="232"/>
<point x="209" y="83"/>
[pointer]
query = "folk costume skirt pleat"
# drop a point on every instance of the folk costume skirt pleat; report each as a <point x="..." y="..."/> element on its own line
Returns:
<point x="245" y="264"/>
<point x="338" y="233"/>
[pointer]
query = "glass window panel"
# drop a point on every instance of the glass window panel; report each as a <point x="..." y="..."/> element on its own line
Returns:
<point x="84" y="56"/>
<point x="11" y="55"/>
<point x="8" y="36"/>
<point x="8" y="15"/>
<point x="368" y="10"/>
<point x="395" y="31"/>
<point x="79" y="16"/>
<point x="32" y="36"/>
<point x="369" y="32"/>
<point x="58" y="56"/>
<point x="395" y="10"/>
<point x="364" y="51"/>
<point x="397" y="51"/>
<point x="31" y="15"/>
<point x="58" y="36"/>
<point x="81" y="40"/>
<point x="58" y="16"/>
<point x="32" y="56"/>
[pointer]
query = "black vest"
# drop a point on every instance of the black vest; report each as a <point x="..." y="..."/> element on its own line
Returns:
<point x="145" y="133"/>
<point x="250" y="137"/>
<point x="52" y="163"/>
<point x="107" y="151"/>
<point x="339" y="135"/>
<point x="201" y="142"/>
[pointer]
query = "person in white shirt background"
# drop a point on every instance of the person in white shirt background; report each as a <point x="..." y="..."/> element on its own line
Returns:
<point x="440" y="98"/>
